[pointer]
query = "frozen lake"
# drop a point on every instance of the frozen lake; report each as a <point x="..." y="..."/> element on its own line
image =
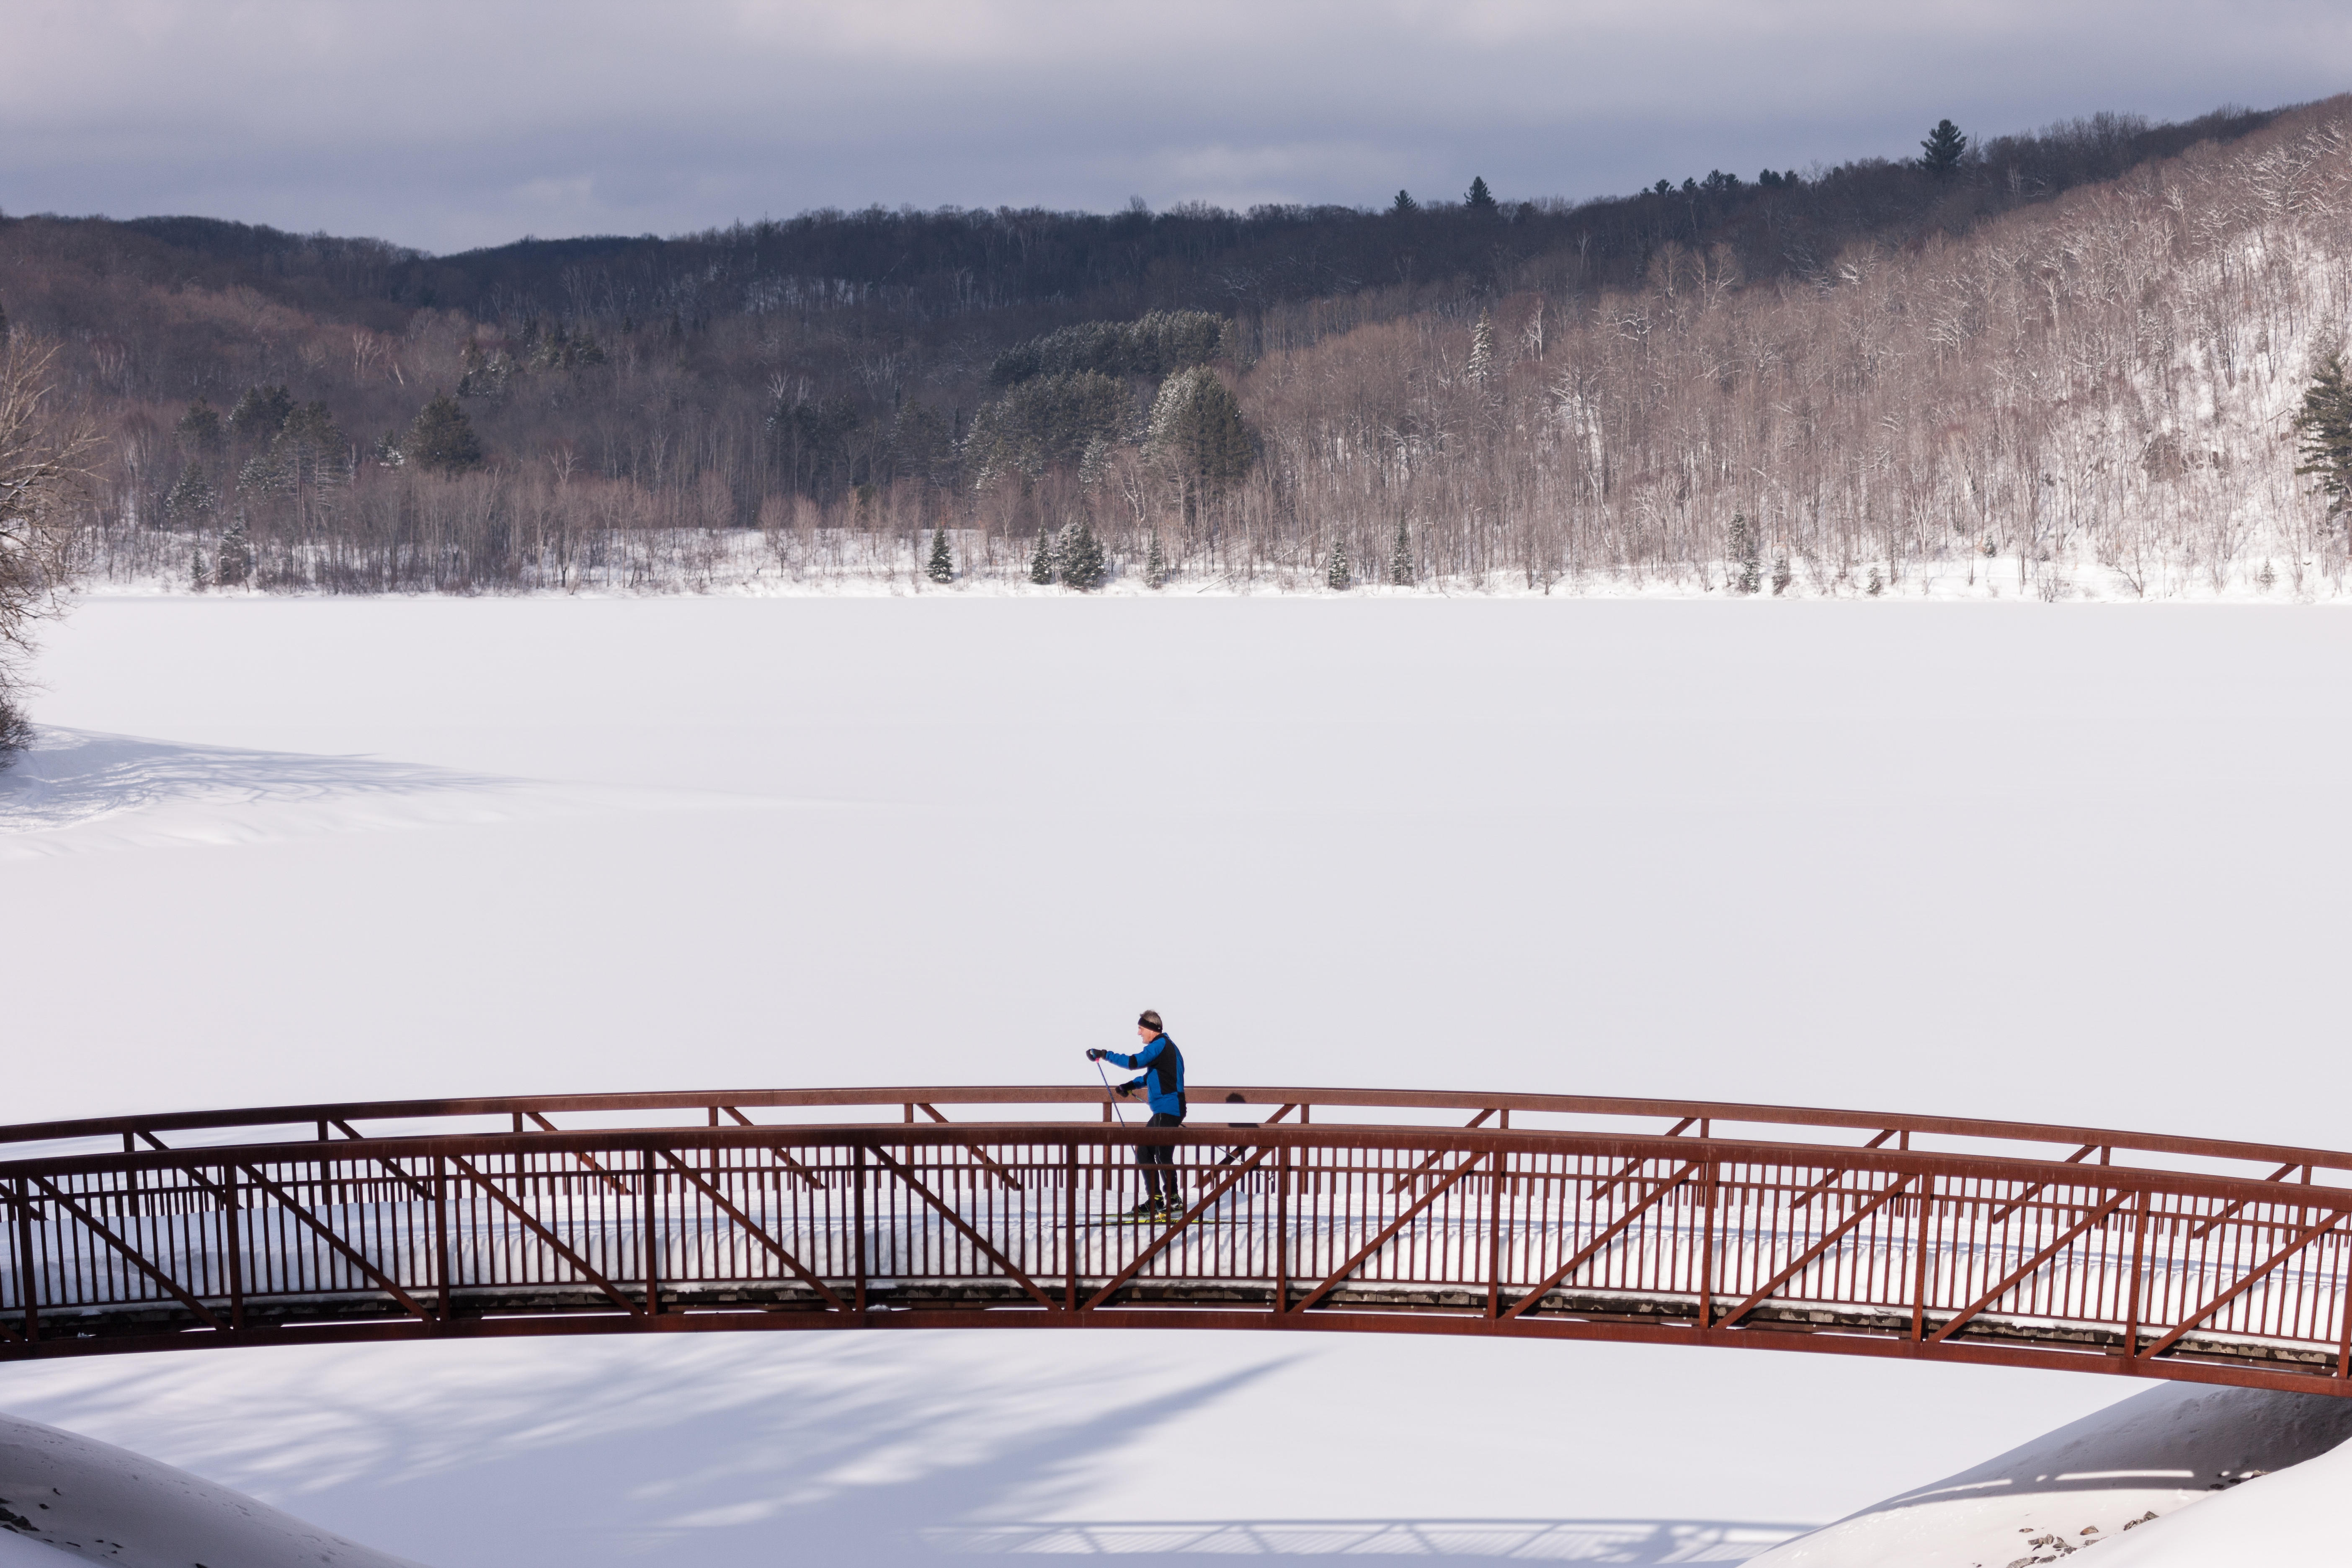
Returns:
<point x="2075" y="864"/>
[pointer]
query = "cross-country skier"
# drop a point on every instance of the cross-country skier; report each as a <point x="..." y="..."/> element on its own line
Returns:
<point x="1162" y="1067"/>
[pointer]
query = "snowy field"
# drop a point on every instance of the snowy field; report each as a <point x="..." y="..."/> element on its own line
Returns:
<point x="2071" y="863"/>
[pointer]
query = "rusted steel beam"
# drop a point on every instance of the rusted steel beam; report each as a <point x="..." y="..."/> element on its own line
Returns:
<point x="586" y="1158"/>
<point x="2245" y="1282"/>
<point x="384" y="1281"/>
<point x="979" y="1154"/>
<point x="531" y="1223"/>
<point x="2027" y="1196"/>
<point x="914" y="1185"/>
<point x="1160" y="1242"/>
<point x="132" y="1254"/>
<point x="1381" y="1240"/>
<point x="1952" y="1325"/>
<point x="1414" y="1175"/>
<point x="697" y="1101"/>
<point x="1805" y="1258"/>
<point x="1829" y="1178"/>
<point x="2279" y="1175"/>
<point x="1594" y="1247"/>
<point x="757" y="1232"/>
<point x="1455" y="1141"/>
<point x="1606" y="1189"/>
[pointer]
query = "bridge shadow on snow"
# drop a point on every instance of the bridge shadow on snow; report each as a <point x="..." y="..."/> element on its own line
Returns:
<point x="703" y="1456"/>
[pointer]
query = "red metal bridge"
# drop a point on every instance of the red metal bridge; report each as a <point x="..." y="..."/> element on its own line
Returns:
<point x="1543" y="1217"/>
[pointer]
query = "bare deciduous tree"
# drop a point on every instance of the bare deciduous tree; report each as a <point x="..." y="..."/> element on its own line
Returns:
<point x="41" y="471"/>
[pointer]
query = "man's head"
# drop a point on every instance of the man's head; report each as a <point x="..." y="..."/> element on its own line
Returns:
<point x="1148" y="1025"/>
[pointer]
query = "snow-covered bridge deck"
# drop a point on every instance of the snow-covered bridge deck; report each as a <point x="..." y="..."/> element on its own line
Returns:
<point x="1544" y="1216"/>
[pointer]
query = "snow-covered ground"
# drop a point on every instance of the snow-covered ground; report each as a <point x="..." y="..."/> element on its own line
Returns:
<point x="2067" y="862"/>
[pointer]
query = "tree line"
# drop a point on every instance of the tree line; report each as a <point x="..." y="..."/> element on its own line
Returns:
<point x="2009" y="349"/>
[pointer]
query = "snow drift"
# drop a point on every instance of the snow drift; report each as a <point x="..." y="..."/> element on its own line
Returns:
<point x="97" y="1500"/>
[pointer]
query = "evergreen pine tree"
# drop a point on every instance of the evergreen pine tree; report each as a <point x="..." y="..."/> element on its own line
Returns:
<point x="1155" y="565"/>
<point x="443" y="438"/>
<point x="1042" y="564"/>
<point x="1781" y="575"/>
<point x="1404" y="204"/>
<point x="1940" y="154"/>
<point x="2324" y="428"/>
<point x="260" y="414"/>
<point x="940" y="568"/>
<point x="1478" y="198"/>
<point x="1083" y="564"/>
<point x="1744" y="554"/>
<point x="200" y="429"/>
<point x="1339" y="572"/>
<point x="236" y="556"/>
<point x="1481" y="350"/>
<point x="1400" y="556"/>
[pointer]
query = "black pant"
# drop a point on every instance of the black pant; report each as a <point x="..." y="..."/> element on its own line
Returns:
<point x="1159" y="1160"/>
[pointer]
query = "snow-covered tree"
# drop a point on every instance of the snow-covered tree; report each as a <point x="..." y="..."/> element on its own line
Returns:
<point x="1741" y="548"/>
<point x="1339" y="572"/>
<point x="1481" y="350"/>
<point x="1044" y="568"/>
<point x="1400" y="556"/>
<point x="235" y="555"/>
<point x="941" y="567"/>
<point x="1155" y="565"/>
<point x="42" y="475"/>
<point x="1083" y="564"/>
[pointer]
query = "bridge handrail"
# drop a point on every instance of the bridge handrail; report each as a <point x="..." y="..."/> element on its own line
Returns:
<point x="1629" y="1146"/>
<point x="333" y="1120"/>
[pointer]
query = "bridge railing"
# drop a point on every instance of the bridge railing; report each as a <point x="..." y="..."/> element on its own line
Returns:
<point x="1269" y="1105"/>
<point x="1875" y="1250"/>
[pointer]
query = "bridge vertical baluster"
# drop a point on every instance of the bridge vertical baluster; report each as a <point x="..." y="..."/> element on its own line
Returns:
<point x="857" y="1219"/>
<point x="232" y="1226"/>
<point x="1922" y="1240"/>
<point x="1495" y="1237"/>
<point x="2131" y="1308"/>
<point x="441" y="1231"/>
<point x="27" y="1275"/>
<point x="651" y="1243"/>
<point x="1282" y="1232"/>
<point x="2343" y="1311"/>
<point x="1070" y="1227"/>
<point x="1707" y="1248"/>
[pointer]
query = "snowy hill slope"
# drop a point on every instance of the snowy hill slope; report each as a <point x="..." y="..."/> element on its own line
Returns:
<point x="2089" y="1482"/>
<point x="60" y="1492"/>
<point x="2290" y="1519"/>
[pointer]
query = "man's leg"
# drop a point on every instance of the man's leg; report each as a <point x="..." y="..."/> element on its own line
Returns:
<point x="1160" y="1162"/>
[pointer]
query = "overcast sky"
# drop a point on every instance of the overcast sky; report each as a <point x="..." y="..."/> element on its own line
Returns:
<point x="452" y="123"/>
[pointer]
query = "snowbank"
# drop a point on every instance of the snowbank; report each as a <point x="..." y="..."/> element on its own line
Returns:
<point x="2089" y="1482"/>
<point x="92" y="1499"/>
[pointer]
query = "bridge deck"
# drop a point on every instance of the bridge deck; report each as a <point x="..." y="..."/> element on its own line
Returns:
<point x="1933" y="1239"/>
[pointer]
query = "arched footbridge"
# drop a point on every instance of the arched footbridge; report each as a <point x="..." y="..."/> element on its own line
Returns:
<point x="1540" y="1217"/>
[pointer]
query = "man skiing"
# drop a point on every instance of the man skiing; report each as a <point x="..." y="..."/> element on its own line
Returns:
<point x="1162" y="1067"/>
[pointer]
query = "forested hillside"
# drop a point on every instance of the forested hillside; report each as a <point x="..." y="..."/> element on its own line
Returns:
<point x="2057" y="364"/>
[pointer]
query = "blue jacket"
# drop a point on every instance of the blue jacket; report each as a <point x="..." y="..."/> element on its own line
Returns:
<point x="1163" y="1067"/>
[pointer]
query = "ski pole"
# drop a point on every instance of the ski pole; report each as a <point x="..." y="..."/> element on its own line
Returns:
<point x="1115" y="1110"/>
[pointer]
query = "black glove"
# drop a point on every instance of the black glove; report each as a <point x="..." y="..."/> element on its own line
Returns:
<point x="1096" y="1055"/>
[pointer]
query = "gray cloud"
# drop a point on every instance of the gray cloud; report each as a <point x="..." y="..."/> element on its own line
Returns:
<point x="447" y="125"/>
